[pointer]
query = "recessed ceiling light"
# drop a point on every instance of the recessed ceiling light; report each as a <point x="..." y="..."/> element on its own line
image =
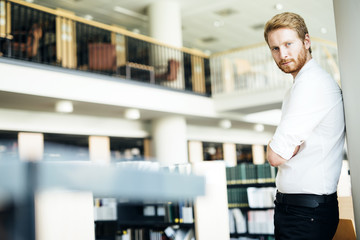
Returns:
<point x="211" y="150"/>
<point x="259" y="127"/>
<point x="132" y="114"/>
<point x="323" y="30"/>
<point x="225" y="123"/>
<point x="218" y="23"/>
<point x="278" y="6"/>
<point x="64" y="106"/>
<point x="136" y="30"/>
<point x="88" y="17"/>
<point x="207" y="52"/>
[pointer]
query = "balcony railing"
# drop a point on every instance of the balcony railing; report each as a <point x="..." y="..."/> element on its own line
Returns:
<point x="58" y="37"/>
<point x="252" y="69"/>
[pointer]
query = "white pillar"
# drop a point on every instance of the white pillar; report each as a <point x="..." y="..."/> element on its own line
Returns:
<point x="165" y="22"/>
<point x="230" y="157"/>
<point x="99" y="149"/>
<point x="347" y="20"/>
<point x="31" y="146"/>
<point x="169" y="140"/>
<point x="165" y="26"/>
<point x="196" y="151"/>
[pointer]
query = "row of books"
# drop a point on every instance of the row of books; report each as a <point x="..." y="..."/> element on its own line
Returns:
<point x="248" y="173"/>
<point x="253" y="197"/>
<point x="138" y="234"/>
<point x="105" y="209"/>
<point x="237" y="197"/>
<point x="261" y="222"/>
<point x="144" y="234"/>
<point x="251" y="222"/>
<point x="253" y="238"/>
<point x="181" y="212"/>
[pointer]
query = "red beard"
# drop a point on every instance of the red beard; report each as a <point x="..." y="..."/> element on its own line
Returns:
<point x="293" y="65"/>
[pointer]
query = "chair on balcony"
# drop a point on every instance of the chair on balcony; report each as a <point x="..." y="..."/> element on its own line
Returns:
<point x="102" y="57"/>
<point x="171" y="73"/>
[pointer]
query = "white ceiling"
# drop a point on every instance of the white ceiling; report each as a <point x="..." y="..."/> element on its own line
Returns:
<point x="198" y="18"/>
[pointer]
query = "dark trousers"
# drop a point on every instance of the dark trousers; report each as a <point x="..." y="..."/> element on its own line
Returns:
<point x="306" y="223"/>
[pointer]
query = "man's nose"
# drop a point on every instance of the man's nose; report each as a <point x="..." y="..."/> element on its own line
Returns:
<point x="283" y="53"/>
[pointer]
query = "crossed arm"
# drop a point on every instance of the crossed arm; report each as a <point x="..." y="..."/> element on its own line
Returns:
<point x="275" y="159"/>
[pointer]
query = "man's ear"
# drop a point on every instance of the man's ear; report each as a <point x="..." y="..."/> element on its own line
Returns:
<point x="307" y="41"/>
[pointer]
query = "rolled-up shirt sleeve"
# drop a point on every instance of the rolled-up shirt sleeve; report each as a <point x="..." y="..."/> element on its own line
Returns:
<point x="309" y="100"/>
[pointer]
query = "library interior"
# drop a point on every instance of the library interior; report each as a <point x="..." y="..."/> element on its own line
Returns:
<point x="150" y="119"/>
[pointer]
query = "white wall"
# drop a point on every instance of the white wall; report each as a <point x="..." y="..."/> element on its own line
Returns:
<point x="347" y="20"/>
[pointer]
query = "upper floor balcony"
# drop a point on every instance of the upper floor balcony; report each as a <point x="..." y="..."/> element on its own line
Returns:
<point x="240" y="81"/>
<point x="57" y="37"/>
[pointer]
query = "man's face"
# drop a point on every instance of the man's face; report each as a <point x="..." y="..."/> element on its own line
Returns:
<point x="288" y="50"/>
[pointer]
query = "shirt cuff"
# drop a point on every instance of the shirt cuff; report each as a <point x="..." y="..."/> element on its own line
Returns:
<point x="285" y="153"/>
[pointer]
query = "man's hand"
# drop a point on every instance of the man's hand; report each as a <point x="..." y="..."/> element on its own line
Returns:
<point x="275" y="159"/>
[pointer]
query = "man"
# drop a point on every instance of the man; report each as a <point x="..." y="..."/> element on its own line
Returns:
<point x="307" y="146"/>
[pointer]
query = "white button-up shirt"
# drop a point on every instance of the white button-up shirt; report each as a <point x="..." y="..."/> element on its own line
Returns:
<point x="313" y="117"/>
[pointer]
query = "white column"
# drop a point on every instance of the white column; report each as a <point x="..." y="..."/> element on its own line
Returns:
<point x="99" y="149"/>
<point x="258" y="154"/>
<point x="165" y="26"/>
<point x="347" y="20"/>
<point x="230" y="154"/>
<point x="169" y="140"/>
<point x="165" y="22"/>
<point x="31" y="146"/>
<point x="195" y="151"/>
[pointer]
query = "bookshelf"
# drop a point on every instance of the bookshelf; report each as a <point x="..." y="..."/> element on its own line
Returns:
<point x="147" y="221"/>
<point x="251" y="192"/>
<point x="79" y="182"/>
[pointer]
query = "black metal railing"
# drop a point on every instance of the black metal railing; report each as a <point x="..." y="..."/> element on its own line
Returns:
<point x="30" y="36"/>
<point x="38" y="34"/>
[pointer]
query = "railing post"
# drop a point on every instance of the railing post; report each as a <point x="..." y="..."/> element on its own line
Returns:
<point x="119" y="41"/>
<point x="66" y="41"/>
<point x="5" y="22"/>
<point x="198" y="74"/>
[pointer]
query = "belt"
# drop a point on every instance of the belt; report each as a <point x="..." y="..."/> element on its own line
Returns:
<point x="304" y="200"/>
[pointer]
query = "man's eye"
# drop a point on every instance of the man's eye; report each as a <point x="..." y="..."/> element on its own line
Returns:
<point x="275" y="48"/>
<point x="288" y="44"/>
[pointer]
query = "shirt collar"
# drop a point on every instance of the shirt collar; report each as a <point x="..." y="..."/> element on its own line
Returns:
<point x="307" y="66"/>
